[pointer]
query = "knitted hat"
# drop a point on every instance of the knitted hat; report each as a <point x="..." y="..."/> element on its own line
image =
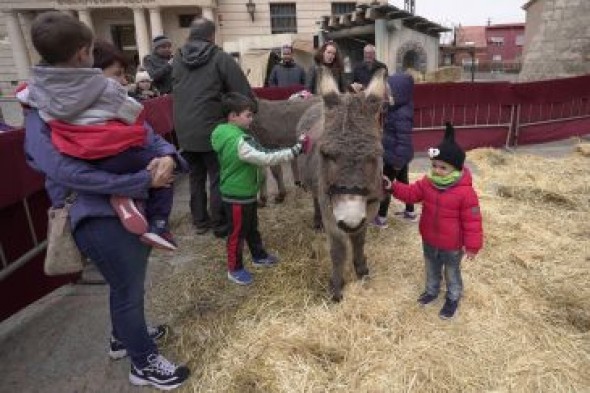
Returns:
<point x="142" y="76"/>
<point x="160" y="40"/>
<point x="448" y="151"/>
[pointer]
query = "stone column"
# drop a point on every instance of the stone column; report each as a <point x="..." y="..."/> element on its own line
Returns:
<point x="86" y="18"/>
<point x="141" y="33"/>
<point x="156" y="21"/>
<point x="381" y="40"/>
<point x="18" y="46"/>
<point x="207" y="13"/>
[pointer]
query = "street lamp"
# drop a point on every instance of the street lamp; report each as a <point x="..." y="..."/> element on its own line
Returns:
<point x="471" y="49"/>
<point x="251" y="8"/>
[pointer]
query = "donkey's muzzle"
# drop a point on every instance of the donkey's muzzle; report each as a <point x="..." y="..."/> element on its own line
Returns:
<point x="342" y="190"/>
<point x="342" y="225"/>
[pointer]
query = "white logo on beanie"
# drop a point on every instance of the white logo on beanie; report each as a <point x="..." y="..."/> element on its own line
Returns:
<point x="433" y="152"/>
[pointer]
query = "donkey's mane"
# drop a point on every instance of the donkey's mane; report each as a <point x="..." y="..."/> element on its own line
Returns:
<point x="351" y="127"/>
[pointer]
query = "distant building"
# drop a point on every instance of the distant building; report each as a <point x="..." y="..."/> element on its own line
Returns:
<point x="495" y="48"/>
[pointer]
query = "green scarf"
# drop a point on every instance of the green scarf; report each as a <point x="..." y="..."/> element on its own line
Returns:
<point x="445" y="181"/>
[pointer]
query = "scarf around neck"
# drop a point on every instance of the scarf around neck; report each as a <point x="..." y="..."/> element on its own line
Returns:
<point x="445" y="181"/>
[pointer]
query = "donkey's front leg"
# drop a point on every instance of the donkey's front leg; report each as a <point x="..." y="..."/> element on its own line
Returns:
<point x="277" y="174"/>
<point x="338" y="255"/>
<point x="317" y="215"/>
<point x="358" y="253"/>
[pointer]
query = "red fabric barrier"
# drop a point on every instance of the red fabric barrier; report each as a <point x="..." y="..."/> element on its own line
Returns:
<point x="158" y="113"/>
<point x="18" y="179"/>
<point x="467" y="138"/>
<point x="28" y="283"/>
<point x="437" y="94"/>
<point x="277" y="93"/>
<point x="557" y="90"/>
<point x="547" y="132"/>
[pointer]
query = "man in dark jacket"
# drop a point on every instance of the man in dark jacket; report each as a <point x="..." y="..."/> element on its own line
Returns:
<point x="398" y="150"/>
<point x="201" y="74"/>
<point x="287" y="72"/>
<point x="362" y="73"/>
<point x="158" y="64"/>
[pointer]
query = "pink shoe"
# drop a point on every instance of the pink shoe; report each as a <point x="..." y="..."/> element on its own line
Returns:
<point x="132" y="219"/>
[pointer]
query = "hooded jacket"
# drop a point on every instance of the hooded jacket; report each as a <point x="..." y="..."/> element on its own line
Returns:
<point x="201" y="74"/>
<point x="91" y="116"/>
<point x="450" y="218"/>
<point x="160" y="71"/>
<point x="93" y="187"/>
<point x="398" y="149"/>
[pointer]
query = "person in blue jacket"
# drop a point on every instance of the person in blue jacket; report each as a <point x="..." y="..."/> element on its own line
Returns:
<point x="398" y="150"/>
<point x="99" y="234"/>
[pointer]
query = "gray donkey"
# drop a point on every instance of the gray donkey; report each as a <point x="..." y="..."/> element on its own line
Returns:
<point x="275" y="126"/>
<point x="344" y="168"/>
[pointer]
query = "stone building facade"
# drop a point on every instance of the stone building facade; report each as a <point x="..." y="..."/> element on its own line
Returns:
<point x="244" y="27"/>
<point x="131" y="24"/>
<point x="557" y="39"/>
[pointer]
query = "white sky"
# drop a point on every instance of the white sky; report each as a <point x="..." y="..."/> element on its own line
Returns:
<point x="468" y="12"/>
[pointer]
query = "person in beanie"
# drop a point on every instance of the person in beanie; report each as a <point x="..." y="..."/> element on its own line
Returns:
<point x="158" y="64"/>
<point x="287" y="72"/>
<point x="202" y="73"/>
<point x="143" y="89"/>
<point x="450" y="224"/>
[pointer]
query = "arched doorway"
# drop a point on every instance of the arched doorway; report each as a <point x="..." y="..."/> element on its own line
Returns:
<point x="411" y="55"/>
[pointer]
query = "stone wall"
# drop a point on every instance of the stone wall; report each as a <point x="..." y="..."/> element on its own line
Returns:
<point x="561" y="46"/>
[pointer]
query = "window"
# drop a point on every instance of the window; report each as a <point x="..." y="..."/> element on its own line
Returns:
<point x="184" y="21"/>
<point x="283" y="18"/>
<point x="343" y="8"/>
<point x="497" y="58"/>
<point x="497" y="41"/>
<point x="519" y="40"/>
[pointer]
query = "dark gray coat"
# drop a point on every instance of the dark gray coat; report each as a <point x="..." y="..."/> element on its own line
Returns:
<point x="286" y="74"/>
<point x="160" y="71"/>
<point x="398" y="149"/>
<point x="201" y="73"/>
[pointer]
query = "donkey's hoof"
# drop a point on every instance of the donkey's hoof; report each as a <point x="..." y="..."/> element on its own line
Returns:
<point x="336" y="297"/>
<point x="280" y="198"/>
<point x="298" y="184"/>
<point x="262" y="202"/>
<point x="362" y="274"/>
<point x="318" y="226"/>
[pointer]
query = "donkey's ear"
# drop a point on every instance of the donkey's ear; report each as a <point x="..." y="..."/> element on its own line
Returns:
<point x="326" y="84"/>
<point x="377" y="87"/>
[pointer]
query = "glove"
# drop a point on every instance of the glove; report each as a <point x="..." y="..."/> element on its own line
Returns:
<point x="303" y="145"/>
<point x="387" y="184"/>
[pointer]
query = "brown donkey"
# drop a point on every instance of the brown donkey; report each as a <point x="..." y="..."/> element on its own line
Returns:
<point x="344" y="168"/>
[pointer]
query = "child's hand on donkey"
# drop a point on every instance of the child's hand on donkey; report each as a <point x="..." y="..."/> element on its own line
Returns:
<point x="303" y="145"/>
<point x="387" y="184"/>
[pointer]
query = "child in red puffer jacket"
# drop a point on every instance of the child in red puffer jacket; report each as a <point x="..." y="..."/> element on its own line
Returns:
<point x="450" y="224"/>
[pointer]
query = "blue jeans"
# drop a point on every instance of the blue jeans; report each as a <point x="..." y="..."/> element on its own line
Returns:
<point x="122" y="259"/>
<point x="435" y="260"/>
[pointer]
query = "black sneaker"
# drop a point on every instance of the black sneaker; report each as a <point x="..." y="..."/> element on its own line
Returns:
<point x="118" y="351"/>
<point x="449" y="309"/>
<point x="160" y="373"/>
<point x="426" y="298"/>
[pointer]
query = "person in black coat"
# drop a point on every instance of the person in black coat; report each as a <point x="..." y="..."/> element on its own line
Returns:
<point x="201" y="74"/>
<point x="158" y="64"/>
<point x="362" y="73"/>
<point x="398" y="150"/>
<point x="287" y="72"/>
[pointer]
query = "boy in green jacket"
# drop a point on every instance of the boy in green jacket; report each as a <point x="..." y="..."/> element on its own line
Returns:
<point x="240" y="157"/>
